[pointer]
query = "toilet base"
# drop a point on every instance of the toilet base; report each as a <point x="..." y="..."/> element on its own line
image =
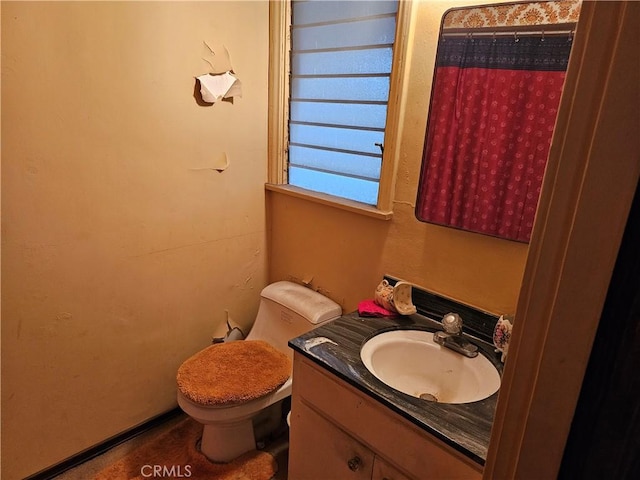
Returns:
<point x="224" y="442"/>
<point x="232" y="431"/>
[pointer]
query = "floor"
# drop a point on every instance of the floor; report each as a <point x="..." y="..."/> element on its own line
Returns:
<point x="278" y="446"/>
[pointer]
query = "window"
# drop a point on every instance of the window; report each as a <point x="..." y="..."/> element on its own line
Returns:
<point x="333" y="105"/>
<point x="341" y="56"/>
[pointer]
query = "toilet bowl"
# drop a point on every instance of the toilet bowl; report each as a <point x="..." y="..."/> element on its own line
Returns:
<point x="232" y="422"/>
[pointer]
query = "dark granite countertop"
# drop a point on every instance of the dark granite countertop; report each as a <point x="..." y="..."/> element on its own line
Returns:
<point x="335" y="347"/>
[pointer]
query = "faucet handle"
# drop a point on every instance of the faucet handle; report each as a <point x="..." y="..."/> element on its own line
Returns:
<point x="452" y="323"/>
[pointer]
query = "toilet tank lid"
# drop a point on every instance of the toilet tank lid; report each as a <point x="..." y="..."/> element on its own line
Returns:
<point x="313" y="306"/>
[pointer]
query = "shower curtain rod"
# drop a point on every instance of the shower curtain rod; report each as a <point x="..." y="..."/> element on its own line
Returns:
<point x="533" y="31"/>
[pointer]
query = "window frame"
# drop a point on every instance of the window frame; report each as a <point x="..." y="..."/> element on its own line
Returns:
<point x="279" y="71"/>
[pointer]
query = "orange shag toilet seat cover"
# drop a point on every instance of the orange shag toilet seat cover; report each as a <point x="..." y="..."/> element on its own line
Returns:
<point x="233" y="372"/>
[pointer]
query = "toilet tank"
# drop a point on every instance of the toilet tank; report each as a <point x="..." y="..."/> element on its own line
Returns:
<point x="287" y="310"/>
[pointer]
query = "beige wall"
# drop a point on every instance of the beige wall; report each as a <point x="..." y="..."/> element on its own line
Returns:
<point x="121" y="249"/>
<point x="346" y="254"/>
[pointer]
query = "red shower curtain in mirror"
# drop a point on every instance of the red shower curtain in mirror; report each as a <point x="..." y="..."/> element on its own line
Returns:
<point x="493" y="111"/>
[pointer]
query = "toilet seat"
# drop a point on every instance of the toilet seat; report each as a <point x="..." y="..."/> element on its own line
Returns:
<point x="231" y="373"/>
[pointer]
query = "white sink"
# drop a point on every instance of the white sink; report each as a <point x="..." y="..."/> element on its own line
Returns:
<point x="411" y="362"/>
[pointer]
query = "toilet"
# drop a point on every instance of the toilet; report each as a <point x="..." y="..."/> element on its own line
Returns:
<point x="235" y="389"/>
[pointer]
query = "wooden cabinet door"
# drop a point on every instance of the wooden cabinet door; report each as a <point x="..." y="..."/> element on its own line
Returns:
<point x="383" y="471"/>
<point x="320" y="451"/>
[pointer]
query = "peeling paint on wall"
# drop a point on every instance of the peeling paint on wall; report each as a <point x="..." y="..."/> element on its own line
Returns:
<point x="220" y="82"/>
<point x="220" y="163"/>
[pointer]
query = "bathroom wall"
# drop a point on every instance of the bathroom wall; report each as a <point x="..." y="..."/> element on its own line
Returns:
<point x="345" y="254"/>
<point x="121" y="246"/>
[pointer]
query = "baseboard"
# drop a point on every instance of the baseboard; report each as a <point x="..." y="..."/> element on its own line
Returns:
<point x="99" y="449"/>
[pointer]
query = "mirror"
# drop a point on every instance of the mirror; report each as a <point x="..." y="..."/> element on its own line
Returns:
<point x="495" y="96"/>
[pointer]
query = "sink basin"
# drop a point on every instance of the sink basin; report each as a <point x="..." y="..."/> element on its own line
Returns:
<point x="411" y="362"/>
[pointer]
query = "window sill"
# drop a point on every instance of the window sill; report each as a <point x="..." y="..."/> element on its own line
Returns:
<point x="330" y="200"/>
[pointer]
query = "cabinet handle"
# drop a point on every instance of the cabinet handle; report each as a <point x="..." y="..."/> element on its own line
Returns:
<point x="354" y="463"/>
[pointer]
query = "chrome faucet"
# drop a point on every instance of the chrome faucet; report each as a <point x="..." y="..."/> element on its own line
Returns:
<point x="452" y="336"/>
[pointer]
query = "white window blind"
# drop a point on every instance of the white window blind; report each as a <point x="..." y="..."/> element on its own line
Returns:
<point x="341" y="57"/>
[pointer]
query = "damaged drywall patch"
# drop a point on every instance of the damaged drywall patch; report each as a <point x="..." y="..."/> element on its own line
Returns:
<point x="214" y="87"/>
<point x="220" y="82"/>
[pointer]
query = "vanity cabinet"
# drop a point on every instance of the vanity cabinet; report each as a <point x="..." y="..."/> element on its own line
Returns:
<point x="327" y="451"/>
<point x="384" y="471"/>
<point x="338" y="433"/>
